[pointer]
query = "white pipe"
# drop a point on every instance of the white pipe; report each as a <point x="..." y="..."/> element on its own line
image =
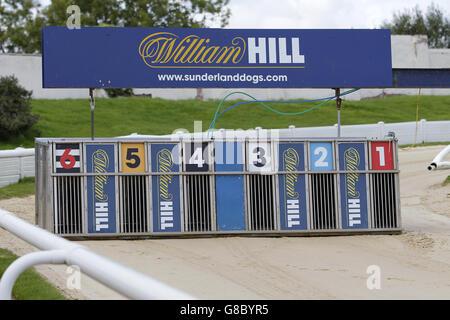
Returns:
<point x="437" y="162"/>
<point x="23" y="263"/>
<point x="124" y="280"/>
<point x="18" y="152"/>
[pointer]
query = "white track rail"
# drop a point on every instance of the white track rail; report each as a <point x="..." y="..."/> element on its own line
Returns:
<point x="437" y="163"/>
<point x="57" y="250"/>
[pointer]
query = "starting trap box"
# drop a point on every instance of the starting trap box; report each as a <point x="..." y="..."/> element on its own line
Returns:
<point x="131" y="188"/>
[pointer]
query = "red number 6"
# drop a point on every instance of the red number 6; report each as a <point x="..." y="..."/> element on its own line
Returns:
<point x="67" y="160"/>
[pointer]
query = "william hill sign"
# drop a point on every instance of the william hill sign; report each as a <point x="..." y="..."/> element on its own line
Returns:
<point x="234" y="58"/>
<point x="167" y="50"/>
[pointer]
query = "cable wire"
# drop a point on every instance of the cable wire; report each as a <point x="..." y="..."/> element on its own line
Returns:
<point x="262" y="103"/>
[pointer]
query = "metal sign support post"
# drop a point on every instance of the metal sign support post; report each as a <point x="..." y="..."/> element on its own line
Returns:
<point x="92" y="103"/>
<point x="338" y="105"/>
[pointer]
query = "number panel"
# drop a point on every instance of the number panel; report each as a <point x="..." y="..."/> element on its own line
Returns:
<point x="259" y="157"/>
<point x="382" y="151"/>
<point x="67" y="157"/>
<point x="321" y="156"/>
<point x="196" y="157"/>
<point x="133" y="157"/>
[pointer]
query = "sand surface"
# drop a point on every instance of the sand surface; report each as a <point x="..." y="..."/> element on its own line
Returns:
<point x="413" y="265"/>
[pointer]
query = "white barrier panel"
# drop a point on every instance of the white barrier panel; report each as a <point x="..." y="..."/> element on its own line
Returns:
<point x="15" y="165"/>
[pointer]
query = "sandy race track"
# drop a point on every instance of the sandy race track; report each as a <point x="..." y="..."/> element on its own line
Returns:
<point x="414" y="265"/>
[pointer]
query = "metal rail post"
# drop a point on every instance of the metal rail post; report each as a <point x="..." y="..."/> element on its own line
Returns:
<point x="92" y="103"/>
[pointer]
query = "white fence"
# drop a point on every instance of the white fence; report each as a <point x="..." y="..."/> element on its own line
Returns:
<point x="16" y="164"/>
<point x="57" y="250"/>
<point x="405" y="132"/>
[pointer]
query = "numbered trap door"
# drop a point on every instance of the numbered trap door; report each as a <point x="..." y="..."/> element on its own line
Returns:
<point x="69" y="201"/>
<point x="384" y="186"/>
<point x="230" y="188"/>
<point x="198" y="187"/>
<point x="322" y="186"/>
<point x="261" y="187"/>
<point x="133" y="189"/>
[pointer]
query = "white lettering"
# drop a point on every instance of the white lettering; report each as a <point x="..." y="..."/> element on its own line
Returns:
<point x="293" y="213"/>
<point x="254" y="50"/>
<point x="296" y="56"/>
<point x="272" y="50"/>
<point x="274" y="54"/>
<point x="166" y="219"/>
<point x="284" y="57"/>
<point x="101" y="223"/>
<point x="354" y="216"/>
<point x="101" y="216"/>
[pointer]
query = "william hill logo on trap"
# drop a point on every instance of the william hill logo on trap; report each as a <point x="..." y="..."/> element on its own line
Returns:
<point x="168" y="50"/>
<point x="291" y="161"/>
<point x="100" y="163"/>
<point x="165" y="164"/>
<point x="351" y="162"/>
<point x="101" y="196"/>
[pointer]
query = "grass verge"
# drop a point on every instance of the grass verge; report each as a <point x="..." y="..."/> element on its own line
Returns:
<point x="23" y="188"/>
<point x="446" y="181"/>
<point x="30" y="285"/>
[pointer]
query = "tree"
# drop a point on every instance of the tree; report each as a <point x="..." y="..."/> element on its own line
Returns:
<point x="15" y="108"/>
<point x="433" y="23"/>
<point x="20" y="25"/>
<point x="21" y="20"/>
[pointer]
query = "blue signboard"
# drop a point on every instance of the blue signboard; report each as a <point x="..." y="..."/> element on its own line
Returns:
<point x="166" y="188"/>
<point x="293" y="212"/>
<point x="321" y="156"/>
<point x="230" y="201"/>
<point x="353" y="186"/>
<point x="98" y="57"/>
<point x="101" y="189"/>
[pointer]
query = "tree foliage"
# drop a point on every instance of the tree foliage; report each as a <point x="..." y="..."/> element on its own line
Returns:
<point x="15" y="108"/>
<point x="119" y="92"/>
<point x="434" y="23"/>
<point x="21" y="20"/>
<point x="20" y="26"/>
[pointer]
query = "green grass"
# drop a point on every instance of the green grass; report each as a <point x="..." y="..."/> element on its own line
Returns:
<point x="23" y="188"/>
<point x="113" y="117"/>
<point x="30" y="285"/>
<point x="446" y="181"/>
